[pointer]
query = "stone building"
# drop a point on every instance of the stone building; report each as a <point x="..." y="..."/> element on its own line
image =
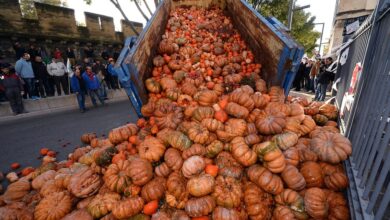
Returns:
<point x="349" y="14"/>
<point x="56" y="27"/>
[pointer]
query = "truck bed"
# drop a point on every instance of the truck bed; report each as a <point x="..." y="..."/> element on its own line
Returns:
<point x="275" y="50"/>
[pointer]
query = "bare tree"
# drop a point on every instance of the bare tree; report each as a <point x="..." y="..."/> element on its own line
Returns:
<point x="156" y="3"/>
<point x="119" y="7"/>
<point x="137" y="4"/>
<point x="147" y="7"/>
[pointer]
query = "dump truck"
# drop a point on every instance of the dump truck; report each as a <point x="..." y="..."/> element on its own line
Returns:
<point x="274" y="49"/>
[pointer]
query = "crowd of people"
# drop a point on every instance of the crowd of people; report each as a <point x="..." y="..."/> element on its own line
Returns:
<point x="36" y="75"/>
<point x="315" y="75"/>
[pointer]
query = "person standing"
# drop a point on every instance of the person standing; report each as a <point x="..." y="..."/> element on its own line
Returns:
<point x="79" y="88"/>
<point x="57" y="53"/>
<point x="299" y="76"/>
<point x="324" y="78"/>
<point x="89" y="53"/>
<point x="33" y="52"/>
<point x="19" y="50"/>
<point x="308" y="82"/>
<point x="24" y="69"/>
<point x="42" y="78"/>
<point x="57" y="70"/>
<point x="13" y="88"/>
<point x="100" y="71"/>
<point x="92" y="84"/>
<point x="314" y="73"/>
<point x="71" y="56"/>
<point x="113" y="74"/>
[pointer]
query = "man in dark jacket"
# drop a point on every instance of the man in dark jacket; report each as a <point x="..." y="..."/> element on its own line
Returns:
<point x="41" y="78"/>
<point x="13" y="88"/>
<point x="19" y="50"/>
<point x="79" y="88"/>
<point x="300" y="74"/>
<point x="324" y="78"/>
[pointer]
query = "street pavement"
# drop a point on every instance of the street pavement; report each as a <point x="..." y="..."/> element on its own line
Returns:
<point x="21" y="139"/>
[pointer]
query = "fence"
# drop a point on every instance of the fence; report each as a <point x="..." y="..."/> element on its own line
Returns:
<point x="364" y="101"/>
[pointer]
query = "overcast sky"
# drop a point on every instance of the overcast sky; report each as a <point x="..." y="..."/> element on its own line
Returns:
<point x="322" y="9"/>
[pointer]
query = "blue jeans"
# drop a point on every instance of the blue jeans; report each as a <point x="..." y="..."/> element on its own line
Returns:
<point x="81" y="99"/>
<point x="103" y="90"/>
<point x="94" y="94"/>
<point x="29" y="85"/>
<point x="321" y="92"/>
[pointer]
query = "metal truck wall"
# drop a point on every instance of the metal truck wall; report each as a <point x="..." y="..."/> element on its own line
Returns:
<point x="368" y="125"/>
<point x="278" y="53"/>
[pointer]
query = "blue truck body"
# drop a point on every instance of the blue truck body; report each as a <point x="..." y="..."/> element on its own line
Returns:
<point x="273" y="47"/>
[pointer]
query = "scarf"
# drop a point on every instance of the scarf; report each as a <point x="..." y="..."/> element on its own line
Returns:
<point x="90" y="75"/>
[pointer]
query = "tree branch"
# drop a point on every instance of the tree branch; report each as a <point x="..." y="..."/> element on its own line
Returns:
<point x="147" y="7"/>
<point x="118" y="6"/>
<point x="140" y="10"/>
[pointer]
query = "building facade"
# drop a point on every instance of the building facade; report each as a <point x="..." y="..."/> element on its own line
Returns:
<point x="56" y="27"/>
<point x="349" y="15"/>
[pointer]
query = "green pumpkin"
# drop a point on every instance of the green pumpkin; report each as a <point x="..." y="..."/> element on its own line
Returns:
<point x="214" y="148"/>
<point x="320" y="120"/>
<point x="105" y="157"/>
<point x="201" y="113"/>
<point x="173" y="94"/>
<point x="179" y="140"/>
<point x="179" y="75"/>
<point x="152" y="85"/>
<point x="262" y="149"/>
<point x="43" y="168"/>
<point x="139" y="217"/>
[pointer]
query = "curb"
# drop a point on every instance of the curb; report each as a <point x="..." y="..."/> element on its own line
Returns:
<point x="112" y="99"/>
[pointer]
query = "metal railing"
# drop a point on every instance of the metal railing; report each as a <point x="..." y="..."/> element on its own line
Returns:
<point x="365" y="116"/>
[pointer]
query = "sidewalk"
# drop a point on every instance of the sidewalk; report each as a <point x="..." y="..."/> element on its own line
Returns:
<point x="308" y="95"/>
<point x="54" y="104"/>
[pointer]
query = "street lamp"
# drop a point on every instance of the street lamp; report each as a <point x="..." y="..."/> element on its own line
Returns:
<point x="291" y="9"/>
<point x="322" y="33"/>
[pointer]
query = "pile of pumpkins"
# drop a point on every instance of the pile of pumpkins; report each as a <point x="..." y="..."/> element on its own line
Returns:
<point x="215" y="143"/>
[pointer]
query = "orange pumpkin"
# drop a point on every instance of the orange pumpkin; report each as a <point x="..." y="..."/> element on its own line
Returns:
<point x="195" y="149"/>
<point x="312" y="173"/>
<point x="268" y="181"/>
<point x="292" y="156"/>
<point x="271" y="156"/>
<point x="201" y="185"/>
<point x="193" y="166"/>
<point x="53" y="206"/>
<point x="270" y="124"/>
<point x="162" y="170"/>
<point x="140" y="171"/>
<point x="330" y="147"/>
<point x="128" y="207"/>
<point x="294" y="201"/>
<point x="173" y="159"/>
<point x="206" y="97"/>
<point x="258" y="203"/>
<point x="242" y="153"/>
<point x="151" y="149"/>
<point x="197" y="207"/>
<point x="211" y="169"/>
<point x="227" y="192"/>
<point x="117" y="176"/>
<point x="198" y="134"/>
<point x="221" y="213"/>
<point x="316" y="203"/>
<point x="43" y="151"/>
<point x="151" y="207"/>
<point x="293" y="178"/>
<point x="154" y="189"/>
<point x="236" y="110"/>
